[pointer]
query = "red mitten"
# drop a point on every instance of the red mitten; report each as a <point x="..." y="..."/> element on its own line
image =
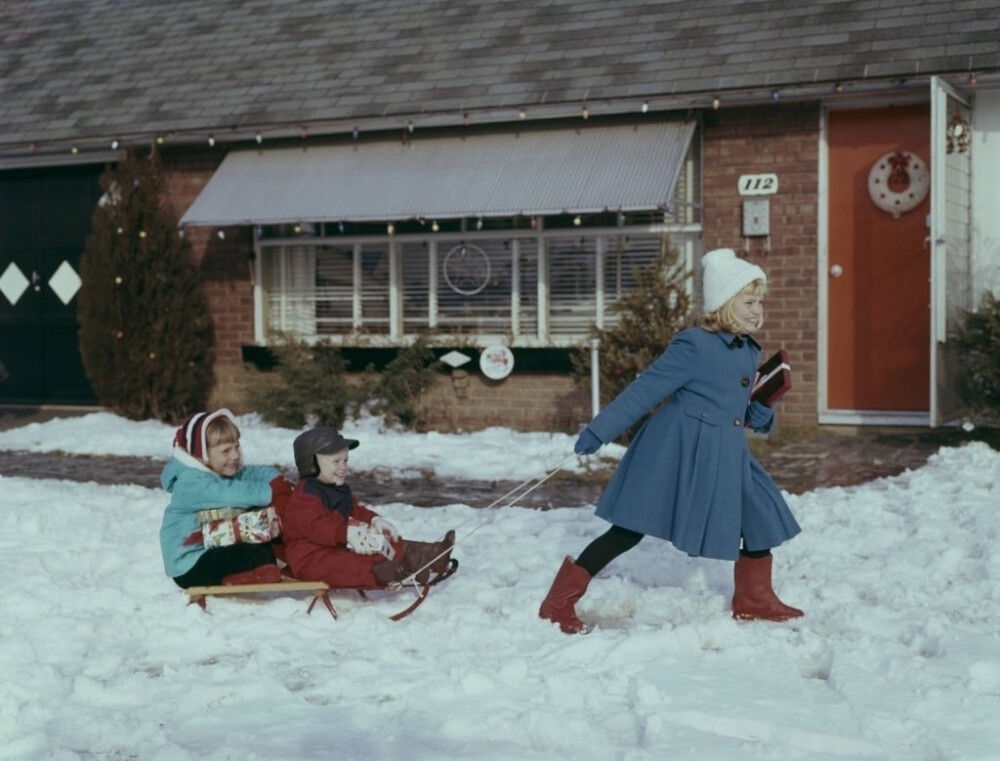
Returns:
<point x="281" y="490"/>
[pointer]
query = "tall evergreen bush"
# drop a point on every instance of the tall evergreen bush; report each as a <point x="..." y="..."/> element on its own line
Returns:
<point x="146" y="336"/>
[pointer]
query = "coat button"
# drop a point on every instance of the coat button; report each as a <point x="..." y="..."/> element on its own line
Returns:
<point x="745" y="382"/>
<point x="737" y="422"/>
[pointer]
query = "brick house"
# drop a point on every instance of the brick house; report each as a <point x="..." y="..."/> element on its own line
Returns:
<point x="364" y="172"/>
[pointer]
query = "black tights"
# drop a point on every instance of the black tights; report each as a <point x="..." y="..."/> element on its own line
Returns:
<point x="617" y="541"/>
<point x="605" y="548"/>
<point x="219" y="562"/>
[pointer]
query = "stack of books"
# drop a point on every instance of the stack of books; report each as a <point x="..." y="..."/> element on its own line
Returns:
<point x="774" y="379"/>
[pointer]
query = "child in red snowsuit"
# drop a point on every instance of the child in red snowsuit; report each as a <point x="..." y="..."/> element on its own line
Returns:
<point x="329" y="536"/>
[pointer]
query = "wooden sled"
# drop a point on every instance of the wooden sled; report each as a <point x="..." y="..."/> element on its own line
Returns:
<point x="320" y="591"/>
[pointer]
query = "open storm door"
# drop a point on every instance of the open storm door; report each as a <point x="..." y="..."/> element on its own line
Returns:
<point x="951" y="286"/>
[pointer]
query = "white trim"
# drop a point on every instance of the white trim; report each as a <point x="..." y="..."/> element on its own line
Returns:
<point x="356" y="288"/>
<point x="61" y="159"/>
<point x="936" y="239"/>
<point x="432" y="284"/>
<point x="481" y="340"/>
<point x="395" y="293"/>
<point x="688" y="252"/>
<point x="665" y="228"/>
<point x="515" y="286"/>
<point x="599" y="282"/>
<point x="985" y="194"/>
<point x="948" y="240"/>
<point x="258" y="295"/>
<point x="822" y="267"/>
<point x="186" y="459"/>
<point x="882" y="417"/>
<point x="542" y="263"/>
<point x="941" y="91"/>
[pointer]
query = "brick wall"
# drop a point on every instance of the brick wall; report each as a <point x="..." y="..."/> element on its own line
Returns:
<point x="783" y="139"/>
<point x="529" y="402"/>
<point x="225" y="264"/>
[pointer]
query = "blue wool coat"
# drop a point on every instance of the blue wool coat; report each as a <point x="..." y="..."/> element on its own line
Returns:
<point x="688" y="476"/>
<point x="193" y="487"/>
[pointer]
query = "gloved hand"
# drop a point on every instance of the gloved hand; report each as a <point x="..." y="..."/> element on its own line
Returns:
<point x="587" y="443"/>
<point x="365" y="540"/>
<point x="281" y="490"/>
<point x="760" y="417"/>
<point x="385" y="528"/>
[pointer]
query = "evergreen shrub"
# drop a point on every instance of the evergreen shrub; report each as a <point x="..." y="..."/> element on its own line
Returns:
<point x="308" y="387"/>
<point x="978" y="343"/>
<point x="146" y="336"/>
<point x="397" y="390"/>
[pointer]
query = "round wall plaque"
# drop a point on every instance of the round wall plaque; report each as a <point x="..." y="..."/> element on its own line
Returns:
<point x="496" y="362"/>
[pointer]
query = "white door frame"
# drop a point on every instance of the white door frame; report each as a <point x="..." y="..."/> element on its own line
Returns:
<point x="949" y="247"/>
<point x="825" y="415"/>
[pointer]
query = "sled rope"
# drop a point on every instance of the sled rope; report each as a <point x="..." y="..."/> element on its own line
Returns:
<point x="411" y="579"/>
<point x="556" y="468"/>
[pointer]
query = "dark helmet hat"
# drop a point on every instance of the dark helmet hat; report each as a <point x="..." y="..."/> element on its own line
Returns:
<point x="319" y="440"/>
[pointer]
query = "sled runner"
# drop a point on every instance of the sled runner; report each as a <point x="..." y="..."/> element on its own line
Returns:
<point x="422" y="590"/>
<point x="320" y="591"/>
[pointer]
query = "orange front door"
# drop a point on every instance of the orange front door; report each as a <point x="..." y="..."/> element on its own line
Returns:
<point x="878" y="270"/>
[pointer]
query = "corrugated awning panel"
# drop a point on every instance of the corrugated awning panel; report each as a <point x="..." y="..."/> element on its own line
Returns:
<point x="585" y="170"/>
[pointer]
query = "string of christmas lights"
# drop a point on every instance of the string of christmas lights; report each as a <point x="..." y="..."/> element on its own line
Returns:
<point x="409" y="126"/>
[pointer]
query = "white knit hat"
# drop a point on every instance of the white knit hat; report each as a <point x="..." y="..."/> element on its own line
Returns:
<point x="724" y="277"/>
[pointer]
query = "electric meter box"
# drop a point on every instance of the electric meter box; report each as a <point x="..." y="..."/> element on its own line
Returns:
<point x="756" y="217"/>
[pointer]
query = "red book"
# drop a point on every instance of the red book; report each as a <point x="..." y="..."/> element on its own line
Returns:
<point x="774" y="378"/>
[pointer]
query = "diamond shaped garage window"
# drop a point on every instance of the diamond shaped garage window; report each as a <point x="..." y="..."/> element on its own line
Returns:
<point x="13" y="283"/>
<point x="65" y="282"/>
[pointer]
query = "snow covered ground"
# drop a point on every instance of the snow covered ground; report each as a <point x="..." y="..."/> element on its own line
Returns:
<point x="898" y="656"/>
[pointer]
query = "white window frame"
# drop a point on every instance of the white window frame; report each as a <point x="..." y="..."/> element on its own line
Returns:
<point x="685" y="237"/>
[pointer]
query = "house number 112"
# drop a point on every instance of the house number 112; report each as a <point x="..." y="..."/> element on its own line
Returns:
<point x="758" y="184"/>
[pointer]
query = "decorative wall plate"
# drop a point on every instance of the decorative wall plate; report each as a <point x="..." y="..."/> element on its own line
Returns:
<point x="496" y="362"/>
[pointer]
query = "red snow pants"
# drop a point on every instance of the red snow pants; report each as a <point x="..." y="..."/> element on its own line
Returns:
<point x="341" y="568"/>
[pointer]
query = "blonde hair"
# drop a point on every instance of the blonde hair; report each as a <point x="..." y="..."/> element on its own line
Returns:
<point x="724" y="318"/>
<point x="220" y="430"/>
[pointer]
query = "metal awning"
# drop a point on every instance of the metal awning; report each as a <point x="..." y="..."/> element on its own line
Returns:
<point x="548" y="171"/>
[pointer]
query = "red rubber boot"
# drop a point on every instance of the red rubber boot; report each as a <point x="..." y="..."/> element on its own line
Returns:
<point x="567" y="588"/>
<point x="753" y="597"/>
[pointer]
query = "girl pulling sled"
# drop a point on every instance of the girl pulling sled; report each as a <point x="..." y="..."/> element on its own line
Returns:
<point x="688" y="475"/>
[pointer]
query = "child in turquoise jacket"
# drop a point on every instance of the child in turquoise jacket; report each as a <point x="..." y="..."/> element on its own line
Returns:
<point x="206" y="472"/>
